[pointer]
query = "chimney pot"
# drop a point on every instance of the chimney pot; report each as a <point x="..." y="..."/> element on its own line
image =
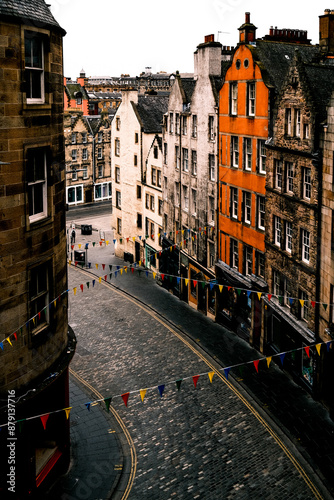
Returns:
<point x="247" y="17"/>
<point x="209" y="38"/>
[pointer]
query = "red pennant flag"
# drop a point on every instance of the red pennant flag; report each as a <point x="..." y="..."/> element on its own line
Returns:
<point x="256" y="364"/>
<point x="177" y="232"/>
<point x="132" y="270"/>
<point x="195" y="283"/>
<point x="200" y="229"/>
<point x="105" y="278"/>
<point x="39" y="315"/>
<point x="269" y="296"/>
<point x="72" y="246"/>
<point x="44" y="419"/>
<point x="307" y="350"/>
<point x="162" y="276"/>
<point x="103" y="266"/>
<point x="81" y="286"/>
<point x="15" y="336"/>
<point x="229" y="288"/>
<point x="159" y="254"/>
<point x="75" y="264"/>
<point x="100" y="243"/>
<point x="125" y="398"/>
<point x="127" y="239"/>
<point x="195" y="379"/>
<point x="313" y="303"/>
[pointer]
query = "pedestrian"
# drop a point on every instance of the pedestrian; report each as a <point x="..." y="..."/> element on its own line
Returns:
<point x="73" y="236"/>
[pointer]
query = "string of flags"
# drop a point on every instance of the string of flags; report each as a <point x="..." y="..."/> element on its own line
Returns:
<point x="161" y="387"/>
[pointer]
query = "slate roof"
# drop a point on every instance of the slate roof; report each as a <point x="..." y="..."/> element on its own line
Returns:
<point x="188" y="85"/>
<point x="216" y="84"/>
<point x="32" y="12"/>
<point x="274" y="59"/>
<point x="72" y="88"/>
<point x="320" y="80"/>
<point x="151" y="109"/>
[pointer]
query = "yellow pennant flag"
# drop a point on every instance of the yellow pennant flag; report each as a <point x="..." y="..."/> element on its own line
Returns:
<point x="67" y="411"/>
<point x="259" y="294"/>
<point x="70" y="262"/>
<point x="79" y="246"/>
<point x="193" y="238"/>
<point x="134" y="238"/>
<point x="126" y="269"/>
<point x="100" y="279"/>
<point x="142" y="393"/>
<point x="121" y="271"/>
<point x="159" y="235"/>
<point x="211" y="374"/>
<point x="186" y="282"/>
<point x="139" y="263"/>
<point x="97" y="266"/>
<point x="269" y="361"/>
<point x="318" y="347"/>
<point x="107" y="242"/>
<point x="182" y="231"/>
<point x="170" y="248"/>
<point x="55" y="303"/>
<point x="154" y="275"/>
<point x="9" y="342"/>
<point x="220" y="288"/>
<point x="302" y="302"/>
<point x="75" y="290"/>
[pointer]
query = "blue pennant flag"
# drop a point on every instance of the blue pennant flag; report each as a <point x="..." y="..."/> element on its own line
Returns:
<point x="161" y="389"/>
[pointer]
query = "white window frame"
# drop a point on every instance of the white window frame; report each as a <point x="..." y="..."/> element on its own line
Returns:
<point x="118" y="199"/>
<point x="247" y="207"/>
<point x="251" y="99"/>
<point x="85" y="172"/>
<point x="185" y="197"/>
<point x="103" y="187"/>
<point x="234" y="98"/>
<point x="100" y="171"/>
<point x="185" y="160"/>
<point x="288" y="236"/>
<point x="277" y="231"/>
<point x="212" y="167"/>
<point x="289" y="177"/>
<point x="184" y="125"/>
<point x="261" y="156"/>
<point x="76" y="189"/>
<point x="194" y="162"/>
<point x="234" y="203"/>
<point x="177" y="157"/>
<point x="305" y="241"/>
<point x="261" y="212"/>
<point x="194" y="202"/>
<point x="74" y="154"/>
<point x="211" y="128"/>
<point x="117" y="147"/>
<point x="100" y="136"/>
<point x="41" y="297"/>
<point x="307" y="185"/>
<point x="234" y="253"/>
<point x="31" y="69"/>
<point x="177" y="194"/>
<point x="278" y="174"/>
<point x="194" y="126"/>
<point x="99" y="153"/>
<point x="248" y="260"/>
<point x="235" y="151"/>
<point x="37" y="184"/>
<point x="298" y="122"/>
<point x="248" y="154"/>
<point x="288" y="120"/>
<point x="84" y="154"/>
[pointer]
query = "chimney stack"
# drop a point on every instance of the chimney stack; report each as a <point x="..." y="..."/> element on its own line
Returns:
<point x="326" y="32"/>
<point x="247" y="30"/>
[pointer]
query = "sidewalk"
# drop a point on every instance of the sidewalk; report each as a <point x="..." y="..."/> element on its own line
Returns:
<point x="96" y="453"/>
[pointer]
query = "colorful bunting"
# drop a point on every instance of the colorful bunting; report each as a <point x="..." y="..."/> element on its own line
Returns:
<point x="44" y="419"/>
<point x="161" y="389"/>
<point x="125" y="398"/>
<point x="211" y="374"/>
<point x="195" y="380"/>
<point x="256" y="364"/>
<point x="142" y="393"/>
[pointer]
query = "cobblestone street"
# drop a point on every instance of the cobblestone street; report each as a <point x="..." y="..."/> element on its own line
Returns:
<point x="208" y="442"/>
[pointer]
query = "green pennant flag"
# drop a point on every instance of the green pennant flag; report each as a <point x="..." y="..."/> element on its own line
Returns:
<point x="325" y="306"/>
<point x="241" y="371"/>
<point x="87" y="284"/>
<point x="107" y="403"/>
<point x="178" y="384"/>
<point x="281" y="300"/>
<point x="93" y="243"/>
<point x="203" y="284"/>
<point x="238" y="292"/>
<point x="21" y="424"/>
<point x="170" y="278"/>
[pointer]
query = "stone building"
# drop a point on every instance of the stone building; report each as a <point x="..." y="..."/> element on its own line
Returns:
<point x="35" y="345"/>
<point x="135" y="133"/>
<point x="190" y="145"/>
<point x="298" y="222"/>
<point x="87" y="157"/>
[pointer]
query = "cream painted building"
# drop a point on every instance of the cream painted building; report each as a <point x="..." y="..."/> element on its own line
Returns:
<point x="136" y="125"/>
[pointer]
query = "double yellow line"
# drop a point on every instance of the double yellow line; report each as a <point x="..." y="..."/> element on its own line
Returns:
<point x="280" y="443"/>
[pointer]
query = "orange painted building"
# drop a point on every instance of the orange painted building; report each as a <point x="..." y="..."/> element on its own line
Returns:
<point x="246" y="115"/>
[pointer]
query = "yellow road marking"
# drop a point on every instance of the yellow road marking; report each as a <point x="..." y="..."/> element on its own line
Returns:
<point x="293" y="460"/>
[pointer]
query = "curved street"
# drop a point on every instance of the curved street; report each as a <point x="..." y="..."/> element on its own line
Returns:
<point x="212" y="441"/>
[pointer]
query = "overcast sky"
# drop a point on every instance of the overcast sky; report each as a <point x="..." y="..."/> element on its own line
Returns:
<point x="105" y="37"/>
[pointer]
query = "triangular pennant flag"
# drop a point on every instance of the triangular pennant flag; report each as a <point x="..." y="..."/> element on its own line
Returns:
<point x="307" y="350"/>
<point x="238" y="292"/>
<point x="125" y="398"/>
<point x="1" y="346"/>
<point x="161" y="389"/>
<point x="114" y="241"/>
<point x="154" y="275"/>
<point x="9" y="342"/>
<point x="211" y="374"/>
<point x="186" y="281"/>
<point x="248" y="293"/>
<point x="15" y="336"/>
<point x="95" y="243"/>
<point x="105" y="277"/>
<point x="107" y="403"/>
<point x="79" y="246"/>
<point x="178" y="279"/>
<point x="44" y="419"/>
<point x="211" y="286"/>
<point x="220" y="288"/>
<point x="146" y="272"/>
<point x="89" y="265"/>
<point x="328" y="345"/>
<point x="269" y="360"/>
<point x="313" y="304"/>
<point x="195" y="380"/>
<point x="103" y="266"/>
<point x="75" y="290"/>
<point x="132" y="270"/>
<point x="226" y="371"/>
<point x="269" y="296"/>
<point x="318" y="348"/>
<point x="259" y="294"/>
<point x="81" y="286"/>
<point x="93" y="282"/>
<point x="87" y="284"/>
<point x="88" y="406"/>
<point x="67" y="411"/>
<point x="110" y="267"/>
<point x="302" y="302"/>
<point x="325" y="306"/>
<point x="195" y="283"/>
<point x="107" y="242"/>
<point x="101" y="243"/>
<point x="162" y="276"/>
<point x="178" y="384"/>
<point x="97" y="266"/>
<point x="142" y="393"/>
<point x="229" y="288"/>
<point x="281" y="357"/>
<point x="291" y="301"/>
<point x="55" y="304"/>
<point x="100" y="279"/>
<point x="203" y="284"/>
<point x="256" y="364"/>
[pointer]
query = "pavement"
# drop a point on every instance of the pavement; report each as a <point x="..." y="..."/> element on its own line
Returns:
<point x="98" y="459"/>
